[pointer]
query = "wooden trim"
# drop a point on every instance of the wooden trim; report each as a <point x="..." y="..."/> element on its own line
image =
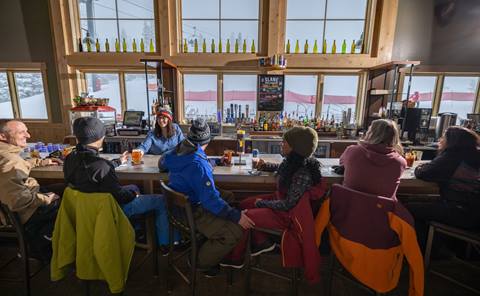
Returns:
<point x="319" y="100"/>
<point x="123" y="93"/>
<point x="160" y="15"/>
<point x="13" y="95"/>
<point x="438" y="94"/>
<point x="180" y="110"/>
<point x="220" y="93"/>
<point x="361" y="98"/>
<point x="276" y="26"/>
<point x="46" y="94"/>
<point x="263" y="14"/>
<point x="75" y="24"/>
<point x="175" y="26"/>
<point x="22" y="66"/>
<point x="476" y="105"/>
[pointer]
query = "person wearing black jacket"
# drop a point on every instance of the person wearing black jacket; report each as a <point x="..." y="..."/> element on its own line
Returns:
<point x="85" y="170"/>
<point x="456" y="169"/>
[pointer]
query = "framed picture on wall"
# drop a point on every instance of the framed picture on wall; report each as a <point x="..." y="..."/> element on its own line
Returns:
<point x="270" y="92"/>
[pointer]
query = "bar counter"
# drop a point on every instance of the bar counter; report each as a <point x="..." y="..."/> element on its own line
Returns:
<point x="237" y="178"/>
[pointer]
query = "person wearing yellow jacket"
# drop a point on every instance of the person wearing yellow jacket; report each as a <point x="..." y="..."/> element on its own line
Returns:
<point x="92" y="231"/>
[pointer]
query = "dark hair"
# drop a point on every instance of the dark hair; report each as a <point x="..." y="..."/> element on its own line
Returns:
<point x="170" y="130"/>
<point x="460" y="138"/>
<point x="294" y="162"/>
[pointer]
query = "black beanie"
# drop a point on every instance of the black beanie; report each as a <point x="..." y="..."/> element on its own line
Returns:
<point x="199" y="132"/>
<point x="88" y="129"/>
<point x="302" y="140"/>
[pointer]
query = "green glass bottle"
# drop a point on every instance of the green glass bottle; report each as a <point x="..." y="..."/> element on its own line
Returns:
<point x="315" y="47"/>
<point x="352" y="47"/>
<point x="324" y="46"/>
<point x="297" y="47"/>
<point x="117" y="45"/>
<point x="152" y="47"/>
<point x="236" y="45"/>
<point x="334" y="47"/>
<point x="142" y="45"/>
<point x="134" y="45"/>
<point x="252" y="48"/>
<point x="220" y="47"/>
<point x="227" y="49"/>
<point x="195" y="46"/>
<point x="204" y="46"/>
<point x="344" y="46"/>
<point x="124" y="45"/>
<point x="185" y="45"/>
<point x="244" y="46"/>
<point x="97" y="45"/>
<point x="287" y="50"/>
<point x="107" y="45"/>
<point x="212" y="46"/>
<point x="305" y="47"/>
<point x="89" y="45"/>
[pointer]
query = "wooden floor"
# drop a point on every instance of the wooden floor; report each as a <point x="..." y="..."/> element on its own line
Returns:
<point x="142" y="283"/>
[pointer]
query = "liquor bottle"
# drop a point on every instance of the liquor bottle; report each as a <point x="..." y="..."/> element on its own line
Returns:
<point x="287" y="50"/>
<point x="334" y="47"/>
<point x="252" y="48"/>
<point x="80" y="45"/>
<point x="124" y="45"/>
<point x="195" y="46"/>
<point x="315" y="47"/>
<point x="185" y="45"/>
<point x="220" y="47"/>
<point x="152" y="48"/>
<point x="142" y="45"/>
<point x="344" y="46"/>
<point x="227" y="49"/>
<point x="212" y="46"/>
<point x="89" y="44"/>
<point x="117" y="45"/>
<point x="297" y="47"/>
<point x="305" y="47"/>
<point x="107" y="45"/>
<point x="134" y="45"/>
<point x="204" y="46"/>
<point x="324" y="46"/>
<point x="244" y="46"/>
<point x="236" y="45"/>
<point x="352" y="48"/>
<point x="97" y="45"/>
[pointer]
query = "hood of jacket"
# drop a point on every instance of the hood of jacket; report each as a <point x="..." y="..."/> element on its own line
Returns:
<point x="79" y="158"/>
<point x="379" y="154"/>
<point x="185" y="154"/>
<point x="9" y="148"/>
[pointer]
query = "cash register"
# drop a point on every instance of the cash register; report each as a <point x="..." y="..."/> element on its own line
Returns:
<point x="132" y="124"/>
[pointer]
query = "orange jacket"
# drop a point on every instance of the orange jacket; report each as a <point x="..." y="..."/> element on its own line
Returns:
<point x="370" y="235"/>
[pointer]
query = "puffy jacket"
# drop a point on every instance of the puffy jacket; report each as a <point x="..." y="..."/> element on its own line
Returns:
<point x="155" y="145"/>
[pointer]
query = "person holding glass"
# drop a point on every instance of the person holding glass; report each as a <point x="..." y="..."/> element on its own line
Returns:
<point x="165" y="136"/>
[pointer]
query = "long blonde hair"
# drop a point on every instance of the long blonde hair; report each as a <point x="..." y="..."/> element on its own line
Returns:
<point x="384" y="131"/>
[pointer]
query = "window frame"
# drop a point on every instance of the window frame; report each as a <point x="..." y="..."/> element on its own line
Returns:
<point x="10" y="71"/>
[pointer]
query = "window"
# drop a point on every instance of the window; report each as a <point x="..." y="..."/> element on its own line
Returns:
<point x="422" y="89"/>
<point x="339" y="94"/>
<point x="31" y="96"/>
<point x="117" y="19"/>
<point x="240" y="90"/>
<point x="136" y="94"/>
<point x="200" y="96"/>
<point x="212" y="21"/>
<point x="458" y="95"/>
<point x="6" y="109"/>
<point x="339" y="21"/>
<point x="103" y="85"/>
<point x="300" y="96"/>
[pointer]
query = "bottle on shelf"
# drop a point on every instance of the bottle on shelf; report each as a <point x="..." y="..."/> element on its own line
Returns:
<point x="344" y="47"/>
<point x="152" y="47"/>
<point x="80" y="45"/>
<point x="204" y="46"/>
<point x="89" y="44"/>
<point x="117" y="45"/>
<point x="212" y="46"/>
<point x="124" y="45"/>
<point x="352" y="47"/>
<point x="334" y="47"/>
<point x="287" y="50"/>
<point x="324" y="46"/>
<point x="315" y="47"/>
<point x="305" y="47"/>
<point x="185" y="45"/>
<point x="97" y="45"/>
<point x="142" y="45"/>
<point x="236" y="45"/>
<point x="134" y="45"/>
<point x="252" y="48"/>
<point x="107" y="45"/>
<point x="244" y="46"/>
<point x="297" y="47"/>
<point x="227" y="48"/>
<point x="220" y="46"/>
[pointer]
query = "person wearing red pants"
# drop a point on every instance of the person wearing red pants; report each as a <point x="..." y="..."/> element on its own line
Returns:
<point x="298" y="176"/>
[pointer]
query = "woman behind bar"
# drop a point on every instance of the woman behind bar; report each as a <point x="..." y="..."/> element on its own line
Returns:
<point x="456" y="169"/>
<point x="376" y="164"/>
<point x="165" y="137"/>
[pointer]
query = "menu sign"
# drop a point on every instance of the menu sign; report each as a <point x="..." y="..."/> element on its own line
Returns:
<point x="270" y="92"/>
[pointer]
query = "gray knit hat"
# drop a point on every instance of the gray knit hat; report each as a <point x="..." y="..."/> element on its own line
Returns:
<point x="199" y="132"/>
<point x="88" y="129"/>
<point x="303" y="140"/>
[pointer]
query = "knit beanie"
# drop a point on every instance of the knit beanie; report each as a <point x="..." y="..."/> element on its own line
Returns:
<point x="165" y="112"/>
<point x="88" y="129"/>
<point x="303" y="140"/>
<point x="199" y="132"/>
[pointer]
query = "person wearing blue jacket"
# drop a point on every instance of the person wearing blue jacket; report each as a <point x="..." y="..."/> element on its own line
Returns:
<point x="165" y="136"/>
<point x="191" y="173"/>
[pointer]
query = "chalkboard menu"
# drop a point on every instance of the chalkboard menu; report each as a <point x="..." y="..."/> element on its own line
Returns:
<point x="270" y="92"/>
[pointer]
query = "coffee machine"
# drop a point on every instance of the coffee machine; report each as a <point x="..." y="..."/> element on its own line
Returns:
<point x="416" y="123"/>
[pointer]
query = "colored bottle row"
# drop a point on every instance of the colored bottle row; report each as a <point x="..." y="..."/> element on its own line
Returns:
<point x="219" y="48"/>
<point x="306" y="47"/>
<point x="106" y="47"/>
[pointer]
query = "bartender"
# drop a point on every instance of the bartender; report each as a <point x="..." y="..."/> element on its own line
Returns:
<point x="165" y="136"/>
